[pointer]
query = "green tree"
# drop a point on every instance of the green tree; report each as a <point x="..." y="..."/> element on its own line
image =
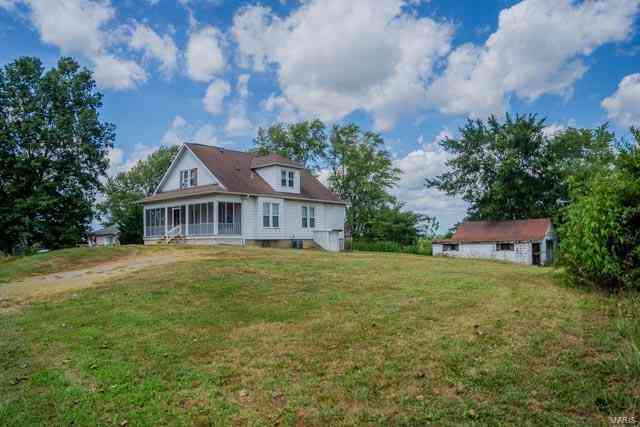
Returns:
<point x="512" y="170"/>
<point x="123" y="193"/>
<point x="304" y="142"/>
<point x="392" y="223"/>
<point x="600" y="240"/>
<point x="362" y="173"/>
<point x="53" y="152"/>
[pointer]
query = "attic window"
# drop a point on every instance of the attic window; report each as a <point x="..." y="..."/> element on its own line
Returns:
<point x="504" y="246"/>
<point x="287" y="178"/>
<point x="188" y="178"/>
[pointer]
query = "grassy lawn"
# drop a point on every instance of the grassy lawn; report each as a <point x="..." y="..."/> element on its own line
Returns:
<point x="264" y="337"/>
<point x="15" y="268"/>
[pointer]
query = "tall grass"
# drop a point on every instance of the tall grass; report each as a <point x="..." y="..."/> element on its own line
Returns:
<point x="422" y="247"/>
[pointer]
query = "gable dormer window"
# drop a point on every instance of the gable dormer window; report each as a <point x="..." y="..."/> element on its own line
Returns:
<point x="287" y="178"/>
<point x="188" y="178"/>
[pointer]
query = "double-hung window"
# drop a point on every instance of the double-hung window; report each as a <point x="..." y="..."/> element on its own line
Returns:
<point x="270" y="215"/>
<point x="184" y="179"/>
<point x="312" y="217"/>
<point x="188" y="178"/>
<point x="287" y="178"/>
<point x="305" y="217"/>
<point x="308" y="217"/>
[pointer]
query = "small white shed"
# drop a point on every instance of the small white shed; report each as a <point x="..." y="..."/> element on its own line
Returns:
<point x="528" y="241"/>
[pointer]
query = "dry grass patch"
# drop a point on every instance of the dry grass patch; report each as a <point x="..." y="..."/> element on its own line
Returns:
<point x="266" y="336"/>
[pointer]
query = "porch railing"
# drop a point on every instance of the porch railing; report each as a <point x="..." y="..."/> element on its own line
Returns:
<point x="230" y="228"/>
<point x="205" y="229"/>
<point x="154" y="231"/>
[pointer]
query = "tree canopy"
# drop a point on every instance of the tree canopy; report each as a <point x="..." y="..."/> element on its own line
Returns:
<point x="362" y="173"/>
<point x="304" y="142"/>
<point x="53" y="152"/>
<point x="514" y="170"/>
<point x="123" y="193"/>
<point x="600" y="240"/>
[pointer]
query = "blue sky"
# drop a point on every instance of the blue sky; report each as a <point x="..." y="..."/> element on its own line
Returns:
<point x="212" y="71"/>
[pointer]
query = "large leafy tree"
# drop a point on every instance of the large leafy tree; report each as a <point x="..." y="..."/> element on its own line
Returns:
<point x="361" y="173"/>
<point x="393" y="223"/>
<point x="513" y="170"/>
<point x="123" y="193"/>
<point x="600" y="240"/>
<point x="53" y="152"/>
<point x="304" y="142"/>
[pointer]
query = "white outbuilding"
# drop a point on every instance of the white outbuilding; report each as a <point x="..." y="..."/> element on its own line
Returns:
<point x="528" y="241"/>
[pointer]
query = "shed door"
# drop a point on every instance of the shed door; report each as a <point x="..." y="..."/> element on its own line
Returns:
<point x="535" y="252"/>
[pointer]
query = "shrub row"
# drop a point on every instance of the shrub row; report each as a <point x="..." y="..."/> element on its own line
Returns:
<point x="423" y="247"/>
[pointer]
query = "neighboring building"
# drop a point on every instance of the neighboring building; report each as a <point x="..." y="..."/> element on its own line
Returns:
<point x="212" y="195"/>
<point x="107" y="236"/>
<point x="529" y="241"/>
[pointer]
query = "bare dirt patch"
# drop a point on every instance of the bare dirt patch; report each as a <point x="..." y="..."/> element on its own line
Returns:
<point x="19" y="292"/>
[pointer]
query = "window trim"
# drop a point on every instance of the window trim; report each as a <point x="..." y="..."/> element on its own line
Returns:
<point x="305" y="217"/>
<point x="270" y="215"/>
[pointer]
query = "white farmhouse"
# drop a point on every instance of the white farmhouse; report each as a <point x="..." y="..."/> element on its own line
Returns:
<point x="212" y="195"/>
<point x="529" y="241"/>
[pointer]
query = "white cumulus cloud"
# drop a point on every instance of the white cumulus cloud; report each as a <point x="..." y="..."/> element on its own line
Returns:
<point x="216" y="92"/>
<point x="427" y="161"/>
<point x="84" y="28"/>
<point x="538" y="49"/>
<point x="334" y="57"/>
<point x="162" y="49"/>
<point x="181" y="131"/>
<point x="623" y="106"/>
<point x="204" y="54"/>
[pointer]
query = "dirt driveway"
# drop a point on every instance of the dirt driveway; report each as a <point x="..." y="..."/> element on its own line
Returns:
<point x="16" y="293"/>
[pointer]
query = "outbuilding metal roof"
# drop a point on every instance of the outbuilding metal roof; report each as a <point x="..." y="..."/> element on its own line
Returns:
<point x="500" y="231"/>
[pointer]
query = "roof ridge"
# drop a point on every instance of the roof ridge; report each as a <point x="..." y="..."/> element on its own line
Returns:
<point x="220" y="148"/>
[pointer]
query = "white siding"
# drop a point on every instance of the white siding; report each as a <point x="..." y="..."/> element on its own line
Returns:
<point x="521" y="253"/>
<point x="329" y="218"/>
<point x="186" y="161"/>
<point x="271" y="232"/>
<point x="271" y="174"/>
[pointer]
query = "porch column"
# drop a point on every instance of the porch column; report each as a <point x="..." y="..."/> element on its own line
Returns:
<point x="166" y="220"/>
<point x="215" y="217"/>
<point x="144" y="222"/>
<point x="186" y="220"/>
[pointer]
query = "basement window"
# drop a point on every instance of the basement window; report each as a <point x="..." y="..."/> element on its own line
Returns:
<point x="505" y="246"/>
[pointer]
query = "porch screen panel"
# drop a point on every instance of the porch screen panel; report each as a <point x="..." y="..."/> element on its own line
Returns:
<point x="155" y="220"/>
<point x="201" y="219"/>
<point x="229" y="218"/>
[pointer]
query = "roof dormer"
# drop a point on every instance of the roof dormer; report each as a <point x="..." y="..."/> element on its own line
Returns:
<point x="282" y="174"/>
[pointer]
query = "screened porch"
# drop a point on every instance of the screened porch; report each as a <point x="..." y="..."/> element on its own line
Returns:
<point x="197" y="219"/>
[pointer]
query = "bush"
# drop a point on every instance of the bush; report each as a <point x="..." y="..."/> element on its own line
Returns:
<point x="600" y="240"/>
<point x="423" y="247"/>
